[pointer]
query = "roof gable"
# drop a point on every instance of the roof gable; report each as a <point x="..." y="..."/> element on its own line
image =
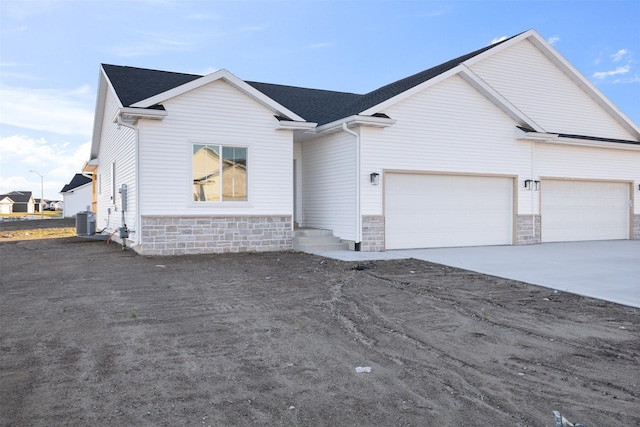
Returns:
<point x="78" y="180"/>
<point x="18" y="196"/>
<point x="138" y="88"/>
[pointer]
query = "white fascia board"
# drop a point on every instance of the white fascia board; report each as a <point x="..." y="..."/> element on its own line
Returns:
<point x="496" y="98"/>
<point x="353" y="121"/>
<point x="103" y="85"/>
<point x="569" y="70"/>
<point x="502" y="46"/>
<point x="407" y="93"/>
<point x="584" y="83"/>
<point x="220" y="75"/>
<point x="132" y="115"/>
<point x="556" y="139"/>
<point x="90" y="166"/>
<point x="293" y="125"/>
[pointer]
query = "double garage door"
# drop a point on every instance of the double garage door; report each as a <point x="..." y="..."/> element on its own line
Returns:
<point x="424" y="210"/>
<point x="584" y="210"/>
<point x="429" y="211"/>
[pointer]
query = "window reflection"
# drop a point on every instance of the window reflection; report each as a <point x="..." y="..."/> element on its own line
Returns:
<point x="208" y="184"/>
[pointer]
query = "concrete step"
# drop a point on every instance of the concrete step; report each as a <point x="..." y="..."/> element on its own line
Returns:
<point x="315" y="240"/>
<point x="311" y="232"/>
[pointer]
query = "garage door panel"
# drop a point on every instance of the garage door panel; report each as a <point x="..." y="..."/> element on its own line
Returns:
<point x="584" y="210"/>
<point x="447" y="210"/>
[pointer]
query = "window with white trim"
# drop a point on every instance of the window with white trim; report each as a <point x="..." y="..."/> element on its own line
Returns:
<point x="219" y="173"/>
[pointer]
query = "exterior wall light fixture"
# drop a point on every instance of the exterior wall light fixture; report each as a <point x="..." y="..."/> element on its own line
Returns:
<point x="528" y="184"/>
<point x="374" y="178"/>
<point x="536" y="185"/>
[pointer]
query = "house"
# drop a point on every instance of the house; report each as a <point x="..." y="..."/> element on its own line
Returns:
<point x="507" y="145"/>
<point x="76" y="196"/>
<point x="17" y="202"/>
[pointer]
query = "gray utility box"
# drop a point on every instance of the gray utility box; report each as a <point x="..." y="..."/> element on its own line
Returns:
<point x="85" y="223"/>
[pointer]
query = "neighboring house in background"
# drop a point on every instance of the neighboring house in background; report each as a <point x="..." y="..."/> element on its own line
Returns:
<point x="6" y="204"/>
<point x="76" y="196"/>
<point x="17" y="202"/>
<point x="45" y="205"/>
<point x="507" y="145"/>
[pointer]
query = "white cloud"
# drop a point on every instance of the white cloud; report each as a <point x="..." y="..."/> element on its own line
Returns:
<point x="52" y="110"/>
<point x="619" y="55"/>
<point x="498" y="39"/>
<point x="618" y="71"/>
<point x="553" y="39"/>
<point x="56" y="162"/>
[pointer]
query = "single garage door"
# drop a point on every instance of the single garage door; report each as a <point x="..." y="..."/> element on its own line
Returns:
<point x="429" y="211"/>
<point x="584" y="210"/>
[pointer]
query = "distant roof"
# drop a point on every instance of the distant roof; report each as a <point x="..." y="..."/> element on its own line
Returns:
<point x="77" y="181"/>
<point x="18" y="196"/>
<point x="314" y="105"/>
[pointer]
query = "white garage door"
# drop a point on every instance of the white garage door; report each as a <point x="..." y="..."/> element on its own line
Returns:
<point x="428" y="211"/>
<point x="584" y="210"/>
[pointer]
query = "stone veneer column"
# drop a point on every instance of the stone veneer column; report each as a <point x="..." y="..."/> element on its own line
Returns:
<point x="372" y="233"/>
<point x="199" y="235"/>
<point x="524" y="230"/>
<point x="636" y="227"/>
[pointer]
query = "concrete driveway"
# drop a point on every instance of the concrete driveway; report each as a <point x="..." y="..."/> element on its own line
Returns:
<point x="608" y="270"/>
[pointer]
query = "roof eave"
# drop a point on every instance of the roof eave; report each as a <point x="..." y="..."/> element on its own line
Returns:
<point x="90" y="166"/>
<point x="355" y="121"/>
<point x="295" y="125"/>
<point x="559" y="139"/>
<point x="131" y="115"/>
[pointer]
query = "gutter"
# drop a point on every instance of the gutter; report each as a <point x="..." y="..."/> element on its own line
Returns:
<point x="358" y="235"/>
<point x="560" y="139"/>
<point x="356" y="120"/>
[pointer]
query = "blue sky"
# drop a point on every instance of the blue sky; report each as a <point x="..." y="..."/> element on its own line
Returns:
<point x="50" y="53"/>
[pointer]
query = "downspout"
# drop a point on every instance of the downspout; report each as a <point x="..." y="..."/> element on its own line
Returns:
<point x="138" y="226"/>
<point x="358" y="238"/>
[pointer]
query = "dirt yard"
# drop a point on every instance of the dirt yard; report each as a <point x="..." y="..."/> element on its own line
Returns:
<point x="93" y="335"/>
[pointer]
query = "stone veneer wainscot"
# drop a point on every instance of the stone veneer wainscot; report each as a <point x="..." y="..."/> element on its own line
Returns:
<point x="165" y="235"/>
<point x="525" y="234"/>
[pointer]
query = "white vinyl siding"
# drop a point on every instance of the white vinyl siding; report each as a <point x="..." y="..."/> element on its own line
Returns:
<point x="449" y="127"/>
<point x="427" y="211"/>
<point x="117" y="153"/>
<point x="329" y="184"/>
<point x="217" y="114"/>
<point x="538" y="88"/>
<point x="77" y="200"/>
<point x="584" y="210"/>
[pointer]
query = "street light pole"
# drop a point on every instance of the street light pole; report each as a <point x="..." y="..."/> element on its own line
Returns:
<point x="41" y="194"/>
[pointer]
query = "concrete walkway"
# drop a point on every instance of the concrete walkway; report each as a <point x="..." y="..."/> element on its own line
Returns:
<point x="608" y="270"/>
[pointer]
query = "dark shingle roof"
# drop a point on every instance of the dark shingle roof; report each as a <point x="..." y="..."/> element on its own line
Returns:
<point x="314" y="105"/>
<point x="77" y="180"/>
<point x="18" y="196"/>
<point x="135" y="84"/>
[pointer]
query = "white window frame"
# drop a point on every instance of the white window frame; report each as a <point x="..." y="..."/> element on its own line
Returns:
<point x="220" y="203"/>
